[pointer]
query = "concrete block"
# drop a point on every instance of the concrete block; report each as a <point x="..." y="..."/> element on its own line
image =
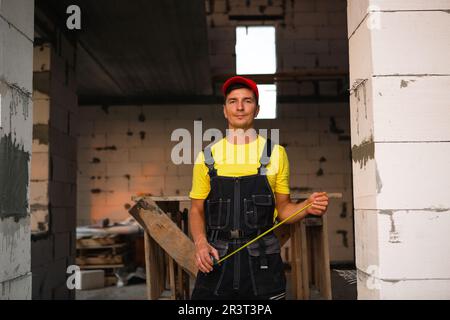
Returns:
<point x="154" y="185"/>
<point x="20" y="13"/>
<point x="338" y="46"/>
<point x="41" y="111"/>
<point x="175" y="185"/>
<point x="361" y="113"/>
<point x="120" y="197"/>
<point x="114" y="213"/>
<point x="430" y="31"/>
<point x="40" y="166"/>
<point x="301" y="139"/>
<point x="15" y="257"/>
<point x="320" y="183"/>
<point x="291" y="33"/>
<point x="305" y="167"/>
<point x="405" y="111"/>
<point x="366" y="241"/>
<point x="119" y="169"/>
<point x="91" y="142"/>
<point x="330" y="153"/>
<point x="296" y="61"/>
<point x="311" y="46"/>
<point x="311" y="19"/>
<point x="357" y="11"/>
<point x="111" y="126"/>
<point x="222" y="33"/>
<point x="418" y="5"/>
<point x="91" y="279"/>
<point x="112" y="156"/>
<point x="420" y="237"/>
<point x="147" y="154"/>
<point x="39" y="192"/>
<point x="334" y="60"/>
<point x="286" y="111"/>
<point x="154" y="169"/>
<point x="408" y="171"/>
<point x="304" y="6"/>
<point x="16" y="289"/>
<point x="331" y="6"/>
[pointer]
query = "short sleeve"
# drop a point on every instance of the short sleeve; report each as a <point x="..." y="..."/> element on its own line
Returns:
<point x="282" y="181"/>
<point x="200" y="179"/>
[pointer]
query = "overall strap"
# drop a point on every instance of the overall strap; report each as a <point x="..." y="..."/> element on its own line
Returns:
<point x="265" y="157"/>
<point x="209" y="162"/>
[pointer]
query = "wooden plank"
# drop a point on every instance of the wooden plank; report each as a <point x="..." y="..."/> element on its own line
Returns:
<point x="173" y="293"/>
<point x="100" y="266"/>
<point x="294" y="196"/>
<point x="301" y="232"/>
<point x="297" y="267"/>
<point x="100" y="260"/>
<point x="326" y="272"/>
<point x="166" y="233"/>
<point x="294" y="269"/>
<point x="147" y="264"/>
<point x="283" y="234"/>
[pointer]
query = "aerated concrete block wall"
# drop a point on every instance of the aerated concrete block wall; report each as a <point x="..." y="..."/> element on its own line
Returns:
<point x="16" y="65"/>
<point x="53" y="170"/>
<point x="400" y="138"/>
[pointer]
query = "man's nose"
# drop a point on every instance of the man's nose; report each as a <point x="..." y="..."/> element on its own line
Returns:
<point x="240" y="105"/>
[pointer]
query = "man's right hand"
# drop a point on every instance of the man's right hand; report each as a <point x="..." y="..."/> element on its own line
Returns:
<point x="203" y="253"/>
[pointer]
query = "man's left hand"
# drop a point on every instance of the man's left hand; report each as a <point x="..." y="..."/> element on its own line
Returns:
<point x="319" y="202"/>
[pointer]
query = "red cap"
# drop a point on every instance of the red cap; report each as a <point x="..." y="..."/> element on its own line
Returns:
<point x="245" y="81"/>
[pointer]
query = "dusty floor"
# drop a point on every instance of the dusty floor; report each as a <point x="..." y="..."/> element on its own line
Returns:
<point x="343" y="288"/>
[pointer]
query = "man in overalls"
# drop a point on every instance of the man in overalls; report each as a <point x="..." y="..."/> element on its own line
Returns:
<point x="240" y="186"/>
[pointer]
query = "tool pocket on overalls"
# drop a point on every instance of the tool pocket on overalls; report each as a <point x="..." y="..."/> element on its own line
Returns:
<point x="266" y="266"/>
<point x="259" y="211"/>
<point x="218" y="213"/>
<point x="221" y="247"/>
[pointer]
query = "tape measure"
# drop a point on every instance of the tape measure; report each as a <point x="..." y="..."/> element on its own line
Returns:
<point x="215" y="262"/>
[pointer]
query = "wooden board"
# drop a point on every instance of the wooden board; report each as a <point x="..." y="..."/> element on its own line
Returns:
<point x="166" y="233"/>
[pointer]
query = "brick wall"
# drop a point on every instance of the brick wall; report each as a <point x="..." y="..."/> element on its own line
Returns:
<point x="53" y="180"/>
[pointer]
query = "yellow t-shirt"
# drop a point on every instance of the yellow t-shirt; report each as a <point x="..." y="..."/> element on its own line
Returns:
<point x="236" y="160"/>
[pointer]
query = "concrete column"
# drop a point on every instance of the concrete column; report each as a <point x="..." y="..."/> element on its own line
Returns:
<point x="400" y="111"/>
<point x="16" y="70"/>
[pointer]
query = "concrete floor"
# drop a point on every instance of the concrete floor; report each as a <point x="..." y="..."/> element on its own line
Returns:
<point x="343" y="284"/>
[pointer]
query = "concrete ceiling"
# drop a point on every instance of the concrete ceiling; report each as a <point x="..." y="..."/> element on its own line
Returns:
<point x="131" y="50"/>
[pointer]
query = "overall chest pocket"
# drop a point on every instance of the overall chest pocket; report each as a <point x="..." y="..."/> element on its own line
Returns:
<point x="218" y="213"/>
<point x="259" y="211"/>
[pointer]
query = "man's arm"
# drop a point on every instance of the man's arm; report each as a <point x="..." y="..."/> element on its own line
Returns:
<point x="286" y="207"/>
<point x="203" y="249"/>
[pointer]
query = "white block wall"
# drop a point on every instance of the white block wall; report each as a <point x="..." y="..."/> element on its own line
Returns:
<point x="401" y="147"/>
<point x="16" y="69"/>
<point x="53" y="169"/>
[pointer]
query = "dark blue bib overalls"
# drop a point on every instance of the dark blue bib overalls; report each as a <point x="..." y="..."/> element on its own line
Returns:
<point x="237" y="209"/>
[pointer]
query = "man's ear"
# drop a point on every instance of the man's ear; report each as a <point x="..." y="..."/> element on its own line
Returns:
<point x="256" y="111"/>
<point x="225" y="112"/>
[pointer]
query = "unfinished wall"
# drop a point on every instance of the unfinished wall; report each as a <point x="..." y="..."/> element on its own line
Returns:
<point x="16" y="58"/>
<point x="400" y="73"/>
<point x="53" y="171"/>
<point x="124" y="150"/>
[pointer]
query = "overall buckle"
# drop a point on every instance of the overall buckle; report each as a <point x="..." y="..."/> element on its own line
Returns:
<point x="236" y="234"/>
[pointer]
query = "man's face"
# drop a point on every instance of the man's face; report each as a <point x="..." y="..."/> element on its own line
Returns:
<point x="240" y="109"/>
